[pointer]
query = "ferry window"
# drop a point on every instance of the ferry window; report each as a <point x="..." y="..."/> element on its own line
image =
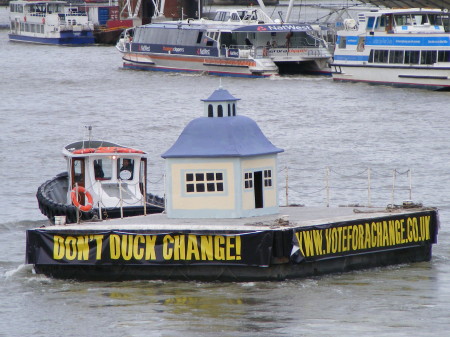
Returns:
<point x="204" y="182"/>
<point x="444" y="56"/>
<point x="396" y="56"/>
<point x="125" y="168"/>
<point x="226" y="39"/>
<point x="420" y="19"/>
<point x="199" y="37"/>
<point x="371" y="56"/>
<point x="403" y="20"/>
<point x="234" y="17"/>
<point x="370" y="22"/>
<point x="210" y="111"/>
<point x="103" y="169"/>
<point x="248" y="180"/>
<point x="267" y="178"/>
<point x="380" y="56"/>
<point x="342" y="42"/>
<point x="412" y="56"/>
<point x="428" y="57"/>
<point x="220" y="111"/>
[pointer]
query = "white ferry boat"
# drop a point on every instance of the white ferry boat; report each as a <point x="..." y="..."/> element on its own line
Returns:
<point x="49" y="22"/>
<point x="103" y="180"/>
<point x="397" y="47"/>
<point x="236" y="42"/>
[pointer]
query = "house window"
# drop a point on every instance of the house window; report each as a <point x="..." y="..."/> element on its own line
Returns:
<point x="210" y="110"/>
<point x="267" y="178"/>
<point x="201" y="182"/>
<point x="220" y="111"/>
<point x="248" y="180"/>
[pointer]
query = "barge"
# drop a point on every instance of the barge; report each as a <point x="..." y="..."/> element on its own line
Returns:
<point x="222" y="220"/>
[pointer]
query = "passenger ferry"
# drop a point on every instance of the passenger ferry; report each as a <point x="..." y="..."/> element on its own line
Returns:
<point x="397" y="47"/>
<point x="103" y="180"/>
<point x="244" y="42"/>
<point x="49" y="22"/>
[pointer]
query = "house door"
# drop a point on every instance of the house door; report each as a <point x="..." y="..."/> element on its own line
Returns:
<point x="258" y="188"/>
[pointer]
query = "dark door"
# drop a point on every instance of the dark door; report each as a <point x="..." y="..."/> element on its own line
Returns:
<point x="258" y="188"/>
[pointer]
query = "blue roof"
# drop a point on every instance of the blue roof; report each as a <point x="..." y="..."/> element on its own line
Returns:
<point x="237" y="136"/>
<point x="220" y="95"/>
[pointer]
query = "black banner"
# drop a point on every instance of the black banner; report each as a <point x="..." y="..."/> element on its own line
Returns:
<point x="314" y="243"/>
<point x="45" y="246"/>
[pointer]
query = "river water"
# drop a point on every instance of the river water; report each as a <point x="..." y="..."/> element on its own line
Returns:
<point x="48" y="95"/>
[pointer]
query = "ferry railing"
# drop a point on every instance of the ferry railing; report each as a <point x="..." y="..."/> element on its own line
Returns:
<point x="245" y="51"/>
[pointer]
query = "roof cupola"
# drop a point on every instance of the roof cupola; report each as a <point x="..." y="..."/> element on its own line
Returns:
<point x="220" y="104"/>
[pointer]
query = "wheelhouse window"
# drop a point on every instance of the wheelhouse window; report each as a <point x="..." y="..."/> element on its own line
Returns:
<point x="204" y="182"/>
<point x="103" y="169"/>
<point x="342" y="42"/>
<point x="125" y="168"/>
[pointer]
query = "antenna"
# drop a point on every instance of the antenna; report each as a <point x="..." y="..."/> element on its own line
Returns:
<point x="89" y="127"/>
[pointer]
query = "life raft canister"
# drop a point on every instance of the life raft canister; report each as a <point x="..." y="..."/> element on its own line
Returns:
<point x="78" y="190"/>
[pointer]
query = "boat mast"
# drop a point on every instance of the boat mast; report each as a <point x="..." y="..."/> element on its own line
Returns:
<point x="289" y="11"/>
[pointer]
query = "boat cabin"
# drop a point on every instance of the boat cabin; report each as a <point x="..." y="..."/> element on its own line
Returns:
<point x="400" y="21"/>
<point x="115" y="176"/>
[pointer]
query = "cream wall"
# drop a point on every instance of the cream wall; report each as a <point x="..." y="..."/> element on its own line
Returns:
<point x="270" y="195"/>
<point x="217" y="200"/>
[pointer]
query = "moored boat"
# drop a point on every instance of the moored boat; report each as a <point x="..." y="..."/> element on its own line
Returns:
<point x="399" y="47"/>
<point x="236" y="42"/>
<point x="49" y="22"/>
<point x="103" y="180"/>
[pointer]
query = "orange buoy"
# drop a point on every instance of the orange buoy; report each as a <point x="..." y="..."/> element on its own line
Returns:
<point x="83" y="151"/>
<point x="78" y="190"/>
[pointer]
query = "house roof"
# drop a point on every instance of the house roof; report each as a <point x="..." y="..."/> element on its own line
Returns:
<point x="236" y="136"/>
<point x="220" y="95"/>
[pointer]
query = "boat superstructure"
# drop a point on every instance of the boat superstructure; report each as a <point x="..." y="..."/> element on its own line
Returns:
<point x="49" y="22"/>
<point x="103" y="180"/>
<point x="235" y="42"/>
<point x="398" y="47"/>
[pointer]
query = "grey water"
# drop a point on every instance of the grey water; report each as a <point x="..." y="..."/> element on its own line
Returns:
<point x="48" y="95"/>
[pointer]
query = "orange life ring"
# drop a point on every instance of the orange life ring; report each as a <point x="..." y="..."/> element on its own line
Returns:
<point x="83" y="151"/>
<point x="116" y="149"/>
<point x="73" y="195"/>
<point x="107" y="149"/>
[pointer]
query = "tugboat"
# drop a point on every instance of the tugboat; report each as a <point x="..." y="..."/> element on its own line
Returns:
<point x="103" y="180"/>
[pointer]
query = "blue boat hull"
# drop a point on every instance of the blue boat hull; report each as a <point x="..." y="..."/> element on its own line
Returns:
<point x="65" y="40"/>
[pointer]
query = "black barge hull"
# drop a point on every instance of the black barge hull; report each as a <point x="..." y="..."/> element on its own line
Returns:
<point x="286" y="251"/>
